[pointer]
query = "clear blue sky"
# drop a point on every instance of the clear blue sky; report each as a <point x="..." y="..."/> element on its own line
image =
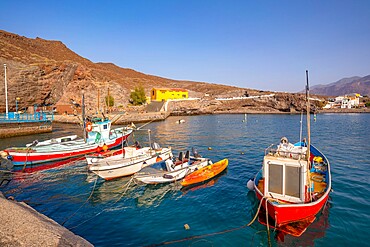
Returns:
<point x="264" y="45"/>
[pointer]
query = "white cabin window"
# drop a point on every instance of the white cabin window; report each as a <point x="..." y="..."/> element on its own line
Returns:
<point x="276" y="178"/>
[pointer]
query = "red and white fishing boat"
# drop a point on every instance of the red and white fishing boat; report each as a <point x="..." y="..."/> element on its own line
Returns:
<point x="294" y="182"/>
<point x="99" y="136"/>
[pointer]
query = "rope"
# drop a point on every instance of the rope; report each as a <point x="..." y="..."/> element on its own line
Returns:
<point x="102" y="211"/>
<point x="210" y="234"/>
<point x="267" y="222"/>
<point x="25" y="163"/>
<point x="92" y="191"/>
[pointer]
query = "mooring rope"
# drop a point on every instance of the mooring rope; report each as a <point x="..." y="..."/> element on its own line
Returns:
<point x="105" y="209"/>
<point x="25" y="163"/>
<point x="210" y="234"/>
<point x="92" y="191"/>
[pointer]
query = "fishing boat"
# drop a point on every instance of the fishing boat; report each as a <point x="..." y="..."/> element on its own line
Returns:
<point x="205" y="173"/>
<point x="171" y="171"/>
<point x="294" y="182"/>
<point x="99" y="136"/>
<point x="95" y="157"/>
<point x="130" y="161"/>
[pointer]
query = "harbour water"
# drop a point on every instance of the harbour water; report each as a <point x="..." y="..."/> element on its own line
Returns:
<point x="122" y="213"/>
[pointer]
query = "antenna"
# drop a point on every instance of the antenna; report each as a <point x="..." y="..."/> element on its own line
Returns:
<point x="301" y="128"/>
<point x="308" y="119"/>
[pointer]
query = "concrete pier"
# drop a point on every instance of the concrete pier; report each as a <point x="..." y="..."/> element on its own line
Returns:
<point x="21" y="225"/>
<point x="21" y="128"/>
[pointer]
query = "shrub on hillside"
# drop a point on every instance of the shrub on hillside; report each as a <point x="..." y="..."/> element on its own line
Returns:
<point x="137" y="96"/>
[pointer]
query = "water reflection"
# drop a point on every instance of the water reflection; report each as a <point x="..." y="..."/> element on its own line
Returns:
<point x="206" y="184"/>
<point x="314" y="231"/>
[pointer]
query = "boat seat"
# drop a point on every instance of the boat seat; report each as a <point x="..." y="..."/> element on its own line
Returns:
<point x="181" y="159"/>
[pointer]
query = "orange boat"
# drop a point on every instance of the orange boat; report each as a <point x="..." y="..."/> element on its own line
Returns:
<point x="205" y="173"/>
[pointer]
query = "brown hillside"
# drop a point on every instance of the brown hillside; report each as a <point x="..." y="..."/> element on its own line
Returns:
<point x="47" y="72"/>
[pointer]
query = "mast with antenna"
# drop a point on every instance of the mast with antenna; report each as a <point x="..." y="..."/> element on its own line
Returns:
<point x="308" y="119"/>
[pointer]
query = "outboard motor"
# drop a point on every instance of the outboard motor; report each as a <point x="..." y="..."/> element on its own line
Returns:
<point x="195" y="153"/>
<point x="155" y="146"/>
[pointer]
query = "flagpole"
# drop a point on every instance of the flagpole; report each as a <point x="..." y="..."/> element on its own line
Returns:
<point x="6" y="93"/>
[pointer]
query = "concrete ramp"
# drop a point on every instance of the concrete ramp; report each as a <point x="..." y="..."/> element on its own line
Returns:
<point x="155" y="106"/>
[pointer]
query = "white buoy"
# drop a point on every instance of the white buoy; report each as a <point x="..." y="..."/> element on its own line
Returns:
<point x="250" y="184"/>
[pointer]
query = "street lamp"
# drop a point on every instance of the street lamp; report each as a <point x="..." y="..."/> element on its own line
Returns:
<point x="16" y="104"/>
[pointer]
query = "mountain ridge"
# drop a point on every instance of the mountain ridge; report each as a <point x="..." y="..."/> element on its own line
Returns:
<point x="344" y="86"/>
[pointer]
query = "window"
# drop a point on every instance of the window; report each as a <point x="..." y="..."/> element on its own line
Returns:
<point x="276" y="178"/>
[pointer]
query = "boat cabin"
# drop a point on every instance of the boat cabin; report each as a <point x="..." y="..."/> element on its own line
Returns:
<point x="100" y="131"/>
<point x="285" y="173"/>
<point x="285" y="178"/>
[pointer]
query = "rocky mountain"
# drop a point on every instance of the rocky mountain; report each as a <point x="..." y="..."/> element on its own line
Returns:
<point x="46" y="72"/>
<point x="344" y="86"/>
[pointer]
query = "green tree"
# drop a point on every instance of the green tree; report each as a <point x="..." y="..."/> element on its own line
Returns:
<point x="137" y="96"/>
<point x="109" y="102"/>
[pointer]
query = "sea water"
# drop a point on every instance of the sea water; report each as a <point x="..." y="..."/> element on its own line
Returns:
<point x="122" y="213"/>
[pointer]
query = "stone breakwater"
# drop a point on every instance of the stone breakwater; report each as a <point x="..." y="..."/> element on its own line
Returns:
<point x="21" y="225"/>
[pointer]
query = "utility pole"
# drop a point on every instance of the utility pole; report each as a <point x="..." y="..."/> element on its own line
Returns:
<point x="108" y="101"/>
<point x="98" y="100"/>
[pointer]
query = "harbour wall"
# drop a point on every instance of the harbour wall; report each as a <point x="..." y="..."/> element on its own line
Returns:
<point x="11" y="129"/>
<point x="21" y="225"/>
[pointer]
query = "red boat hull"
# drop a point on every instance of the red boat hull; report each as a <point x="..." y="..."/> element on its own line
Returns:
<point x="289" y="213"/>
<point x="21" y="158"/>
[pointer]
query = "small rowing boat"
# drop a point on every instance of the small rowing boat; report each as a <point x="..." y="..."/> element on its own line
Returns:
<point x="205" y="173"/>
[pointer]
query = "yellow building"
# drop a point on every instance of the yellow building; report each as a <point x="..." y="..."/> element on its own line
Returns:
<point x="163" y="94"/>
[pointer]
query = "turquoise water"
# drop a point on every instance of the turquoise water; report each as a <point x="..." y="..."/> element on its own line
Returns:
<point x="121" y="213"/>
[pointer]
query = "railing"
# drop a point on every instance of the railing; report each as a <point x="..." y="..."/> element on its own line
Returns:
<point x="294" y="152"/>
<point x="14" y="117"/>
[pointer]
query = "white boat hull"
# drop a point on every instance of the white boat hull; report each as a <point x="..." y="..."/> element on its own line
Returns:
<point x="179" y="172"/>
<point x="113" y="167"/>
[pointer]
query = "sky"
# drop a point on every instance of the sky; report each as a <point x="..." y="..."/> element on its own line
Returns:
<point x="264" y="45"/>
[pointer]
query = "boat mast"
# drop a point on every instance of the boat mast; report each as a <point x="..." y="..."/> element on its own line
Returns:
<point x="83" y="115"/>
<point x="308" y="119"/>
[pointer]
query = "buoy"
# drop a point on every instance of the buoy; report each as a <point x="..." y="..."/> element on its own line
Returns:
<point x="4" y="154"/>
<point x="187" y="227"/>
<point x="241" y="152"/>
<point x="105" y="147"/>
<point x="98" y="149"/>
<point x="250" y="184"/>
<point x="158" y="159"/>
<point x="88" y="126"/>
<point x="209" y="148"/>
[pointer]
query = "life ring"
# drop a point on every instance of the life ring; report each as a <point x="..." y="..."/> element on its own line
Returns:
<point x="88" y="126"/>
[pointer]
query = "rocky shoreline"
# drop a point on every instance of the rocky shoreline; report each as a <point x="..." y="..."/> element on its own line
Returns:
<point x="21" y="226"/>
<point x="141" y="117"/>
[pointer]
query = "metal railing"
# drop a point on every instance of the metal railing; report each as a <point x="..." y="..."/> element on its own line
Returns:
<point x="296" y="152"/>
<point x="14" y="117"/>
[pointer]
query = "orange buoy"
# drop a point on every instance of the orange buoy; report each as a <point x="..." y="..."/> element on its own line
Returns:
<point x="88" y="126"/>
<point x="105" y="147"/>
<point x="158" y="159"/>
